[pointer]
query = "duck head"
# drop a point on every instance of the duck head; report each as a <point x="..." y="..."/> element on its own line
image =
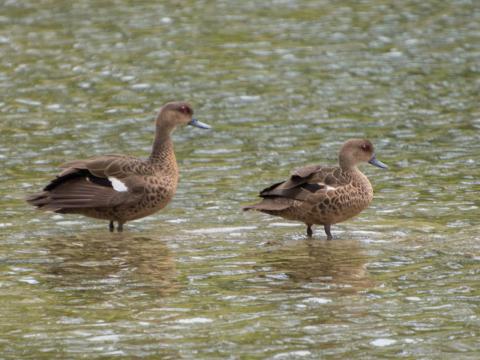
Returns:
<point x="356" y="151"/>
<point x="175" y="114"/>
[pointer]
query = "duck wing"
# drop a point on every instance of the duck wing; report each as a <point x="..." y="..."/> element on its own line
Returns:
<point x="306" y="184"/>
<point x="306" y="181"/>
<point x="104" y="181"/>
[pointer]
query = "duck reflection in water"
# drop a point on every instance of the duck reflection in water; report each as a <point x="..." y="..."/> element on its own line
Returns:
<point x="133" y="263"/>
<point x="324" y="265"/>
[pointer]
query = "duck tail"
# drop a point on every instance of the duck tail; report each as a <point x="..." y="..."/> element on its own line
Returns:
<point x="274" y="204"/>
<point x="39" y="199"/>
<point x="249" y="207"/>
<point x="43" y="201"/>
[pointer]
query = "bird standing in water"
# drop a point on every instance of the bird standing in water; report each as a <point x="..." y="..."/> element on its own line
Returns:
<point x="318" y="195"/>
<point x="121" y="188"/>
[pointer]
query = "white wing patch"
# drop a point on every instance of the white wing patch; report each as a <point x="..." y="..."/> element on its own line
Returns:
<point x="117" y="184"/>
<point x="327" y="187"/>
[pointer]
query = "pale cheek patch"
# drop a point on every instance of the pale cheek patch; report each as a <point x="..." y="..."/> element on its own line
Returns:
<point x="117" y="184"/>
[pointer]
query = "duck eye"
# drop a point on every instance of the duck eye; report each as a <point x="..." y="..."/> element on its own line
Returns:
<point x="365" y="147"/>
<point x="184" y="109"/>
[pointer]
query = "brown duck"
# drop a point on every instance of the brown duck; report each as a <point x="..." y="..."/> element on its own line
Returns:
<point x="318" y="195"/>
<point x="121" y="188"/>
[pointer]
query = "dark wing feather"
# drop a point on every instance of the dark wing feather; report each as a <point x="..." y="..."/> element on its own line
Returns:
<point x="306" y="171"/>
<point x="300" y="192"/>
<point x="312" y="187"/>
<point x="267" y="190"/>
<point x="64" y="177"/>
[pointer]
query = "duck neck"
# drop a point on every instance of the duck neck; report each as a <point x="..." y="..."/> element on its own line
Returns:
<point x="162" y="149"/>
<point x="356" y="176"/>
<point x="347" y="165"/>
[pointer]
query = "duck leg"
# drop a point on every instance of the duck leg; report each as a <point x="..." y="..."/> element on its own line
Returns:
<point x="309" y="231"/>
<point x="111" y="227"/>
<point x="120" y="226"/>
<point x="327" y="231"/>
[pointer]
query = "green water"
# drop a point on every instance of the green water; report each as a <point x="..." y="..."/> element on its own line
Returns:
<point x="284" y="84"/>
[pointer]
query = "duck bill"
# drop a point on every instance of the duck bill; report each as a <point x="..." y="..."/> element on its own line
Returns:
<point x="199" y="124"/>
<point x="377" y="163"/>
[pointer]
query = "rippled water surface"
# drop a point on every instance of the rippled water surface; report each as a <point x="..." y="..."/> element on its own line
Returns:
<point x="283" y="83"/>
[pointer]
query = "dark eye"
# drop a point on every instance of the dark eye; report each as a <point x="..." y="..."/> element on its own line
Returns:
<point x="185" y="109"/>
<point x="366" y="147"/>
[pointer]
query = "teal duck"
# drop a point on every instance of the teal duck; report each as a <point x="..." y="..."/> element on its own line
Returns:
<point x="318" y="195"/>
<point x="121" y="188"/>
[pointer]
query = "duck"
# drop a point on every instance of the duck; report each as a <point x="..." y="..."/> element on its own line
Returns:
<point x="323" y="195"/>
<point x="121" y="188"/>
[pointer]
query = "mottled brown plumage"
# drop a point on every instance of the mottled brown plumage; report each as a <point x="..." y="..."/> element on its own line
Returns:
<point x="118" y="187"/>
<point x="323" y="195"/>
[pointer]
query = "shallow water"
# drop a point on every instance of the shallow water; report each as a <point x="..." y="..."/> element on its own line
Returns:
<point x="283" y="83"/>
